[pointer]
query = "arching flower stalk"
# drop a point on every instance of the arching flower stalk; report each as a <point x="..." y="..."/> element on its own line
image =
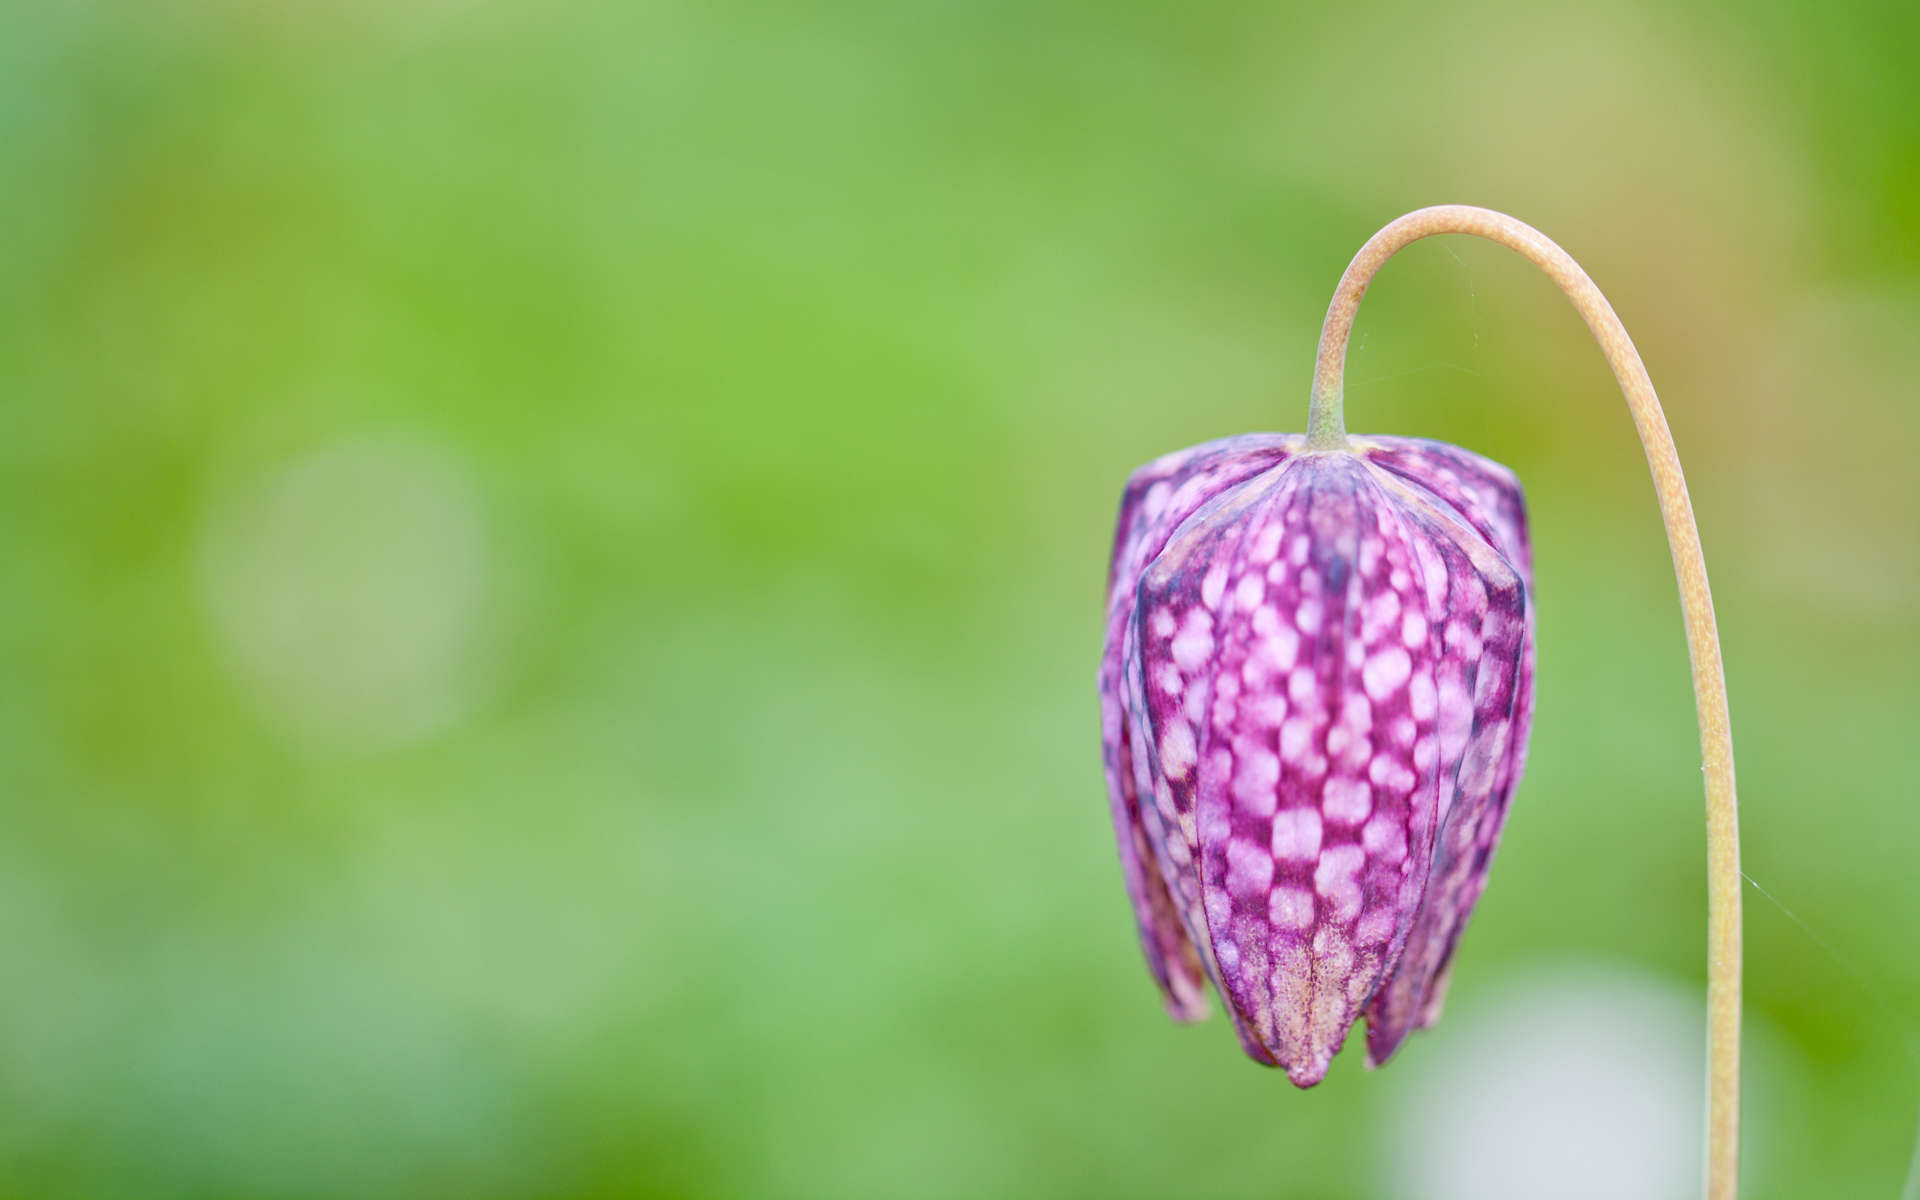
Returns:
<point x="1316" y="690"/>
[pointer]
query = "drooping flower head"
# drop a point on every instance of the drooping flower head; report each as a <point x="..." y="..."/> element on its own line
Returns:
<point x="1315" y="697"/>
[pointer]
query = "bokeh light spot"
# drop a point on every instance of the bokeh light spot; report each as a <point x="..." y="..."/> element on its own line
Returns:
<point x="1575" y="1081"/>
<point x="348" y="591"/>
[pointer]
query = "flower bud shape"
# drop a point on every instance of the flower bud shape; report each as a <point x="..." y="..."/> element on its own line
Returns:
<point x="1315" y="695"/>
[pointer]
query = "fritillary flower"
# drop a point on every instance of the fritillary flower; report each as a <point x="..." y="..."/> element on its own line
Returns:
<point x="1316" y="690"/>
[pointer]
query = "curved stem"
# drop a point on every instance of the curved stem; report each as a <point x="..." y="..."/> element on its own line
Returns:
<point x="1326" y="430"/>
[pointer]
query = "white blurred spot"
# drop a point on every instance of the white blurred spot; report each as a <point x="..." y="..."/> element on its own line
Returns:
<point x="1573" y="1082"/>
<point x="347" y="591"/>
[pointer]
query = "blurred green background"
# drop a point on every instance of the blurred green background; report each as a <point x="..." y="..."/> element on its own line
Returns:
<point x="556" y="560"/>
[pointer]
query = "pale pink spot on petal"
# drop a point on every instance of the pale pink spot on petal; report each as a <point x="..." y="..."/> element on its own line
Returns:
<point x="1296" y="738"/>
<point x="1426" y="754"/>
<point x="1249" y="870"/>
<point x="1301" y="685"/>
<point x="1268" y="711"/>
<point x="1281" y="649"/>
<point x="1266" y="545"/>
<point x="1347" y="801"/>
<point x="1177" y="751"/>
<point x="1375" y="927"/>
<point x="1309" y="615"/>
<point x="1334" y="879"/>
<point x="1296" y="835"/>
<point x="1380" y="613"/>
<point x="1213" y="585"/>
<point x="1370" y="551"/>
<point x="1290" y="908"/>
<point x="1357" y="712"/>
<point x="1388" y="774"/>
<point x="1255" y="783"/>
<point x="1386" y="671"/>
<point x="1385" y="838"/>
<point x="1249" y="591"/>
<point x="1422" y="700"/>
<point x="1194" y="644"/>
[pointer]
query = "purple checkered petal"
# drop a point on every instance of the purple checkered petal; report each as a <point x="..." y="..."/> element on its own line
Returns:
<point x="1487" y="498"/>
<point x="1479" y="627"/>
<point x="1485" y="494"/>
<point x="1313" y="818"/>
<point x="1157" y="499"/>
<point x="1169" y="645"/>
